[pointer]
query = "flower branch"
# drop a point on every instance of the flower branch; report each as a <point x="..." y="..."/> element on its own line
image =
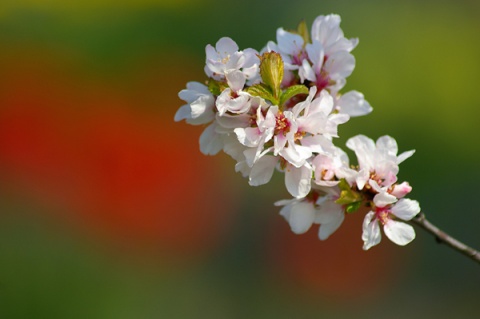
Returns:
<point x="279" y="110"/>
<point x="445" y="238"/>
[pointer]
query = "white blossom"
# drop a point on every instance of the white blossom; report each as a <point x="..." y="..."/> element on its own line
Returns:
<point x="385" y="213"/>
<point x="378" y="161"/>
<point x="226" y="57"/>
<point x="268" y="126"/>
<point x="199" y="107"/>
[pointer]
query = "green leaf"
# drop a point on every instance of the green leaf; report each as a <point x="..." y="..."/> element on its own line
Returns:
<point x="263" y="91"/>
<point x="271" y="71"/>
<point x="347" y="195"/>
<point x="291" y="92"/>
<point x="353" y="207"/>
<point x="216" y="87"/>
<point x="343" y="185"/>
<point x="302" y="30"/>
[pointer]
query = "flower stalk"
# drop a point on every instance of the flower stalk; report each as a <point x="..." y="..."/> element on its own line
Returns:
<point x="445" y="238"/>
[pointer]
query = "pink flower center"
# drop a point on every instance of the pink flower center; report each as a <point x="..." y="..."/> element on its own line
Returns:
<point x="282" y="125"/>
<point x="383" y="215"/>
<point x="298" y="59"/>
<point x="323" y="80"/>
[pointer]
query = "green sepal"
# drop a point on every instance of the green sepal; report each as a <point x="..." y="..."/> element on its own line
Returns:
<point x="271" y="71"/>
<point x="263" y="91"/>
<point x="291" y="92"/>
<point x="351" y="199"/>
<point x="302" y="30"/>
<point x="216" y="87"/>
<point x="353" y="207"/>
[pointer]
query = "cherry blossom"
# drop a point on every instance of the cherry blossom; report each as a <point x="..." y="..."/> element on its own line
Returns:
<point x="226" y="57"/>
<point x="199" y="107"/>
<point x="378" y="162"/>
<point x="233" y="99"/>
<point x="385" y="213"/>
<point x="279" y="111"/>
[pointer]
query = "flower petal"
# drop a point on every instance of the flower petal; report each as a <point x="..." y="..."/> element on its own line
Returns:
<point x="306" y="72"/>
<point x="330" y="216"/>
<point x="383" y="199"/>
<point x="289" y="43"/>
<point x="301" y="218"/>
<point x="387" y="143"/>
<point x="226" y="46"/>
<point x="298" y="180"/>
<point x="235" y="79"/>
<point x="371" y="235"/>
<point x="353" y="103"/>
<point x="184" y="112"/>
<point x="406" y="209"/>
<point x="326" y="230"/>
<point x="398" y="232"/>
<point x="340" y="65"/>
<point x="401" y="190"/>
<point x="210" y="142"/>
<point x="404" y="156"/>
<point x="262" y="171"/>
<point x="364" y="149"/>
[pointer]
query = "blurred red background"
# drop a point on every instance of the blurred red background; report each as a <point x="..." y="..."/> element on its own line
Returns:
<point x="114" y="162"/>
<point x="109" y="210"/>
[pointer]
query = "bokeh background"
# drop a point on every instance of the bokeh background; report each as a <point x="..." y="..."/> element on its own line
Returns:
<point x="108" y="209"/>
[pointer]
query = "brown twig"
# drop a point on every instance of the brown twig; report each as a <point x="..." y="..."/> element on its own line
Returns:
<point x="443" y="237"/>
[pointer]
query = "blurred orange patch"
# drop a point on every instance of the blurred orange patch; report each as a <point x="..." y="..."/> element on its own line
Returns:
<point x="121" y="166"/>
<point x="336" y="268"/>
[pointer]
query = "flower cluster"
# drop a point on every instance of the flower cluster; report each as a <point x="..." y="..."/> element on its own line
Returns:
<point x="279" y="109"/>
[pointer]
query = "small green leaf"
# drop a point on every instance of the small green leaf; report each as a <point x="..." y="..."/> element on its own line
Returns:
<point x="263" y="91"/>
<point x="343" y="185"/>
<point x="347" y="195"/>
<point x="216" y="87"/>
<point x="291" y="92"/>
<point x="271" y="71"/>
<point x="353" y="207"/>
<point x="302" y="30"/>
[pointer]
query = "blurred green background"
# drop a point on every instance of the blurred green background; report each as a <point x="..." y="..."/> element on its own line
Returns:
<point x="108" y="209"/>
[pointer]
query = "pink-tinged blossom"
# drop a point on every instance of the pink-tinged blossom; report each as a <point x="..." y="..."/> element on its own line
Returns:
<point x="259" y="132"/>
<point x="331" y="166"/>
<point x="297" y="132"/>
<point x="233" y="99"/>
<point x="401" y="190"/>
<point x="326" y="30"/>
<point x="200" y="105"/>
<point x="326" y="71"/>
<point x="291" y="47"/>
<point x="329" y="60"/>
<point x="377" y="161"/>
<point x="385" y="213"/>
<point x="226" y="57"/>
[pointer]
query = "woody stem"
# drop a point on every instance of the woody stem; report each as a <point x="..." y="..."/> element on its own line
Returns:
<point x="443" y="237"/>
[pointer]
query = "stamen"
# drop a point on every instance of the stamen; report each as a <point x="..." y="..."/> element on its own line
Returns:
<point x="226" y="59"/>
<point x="282" y="125"/>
